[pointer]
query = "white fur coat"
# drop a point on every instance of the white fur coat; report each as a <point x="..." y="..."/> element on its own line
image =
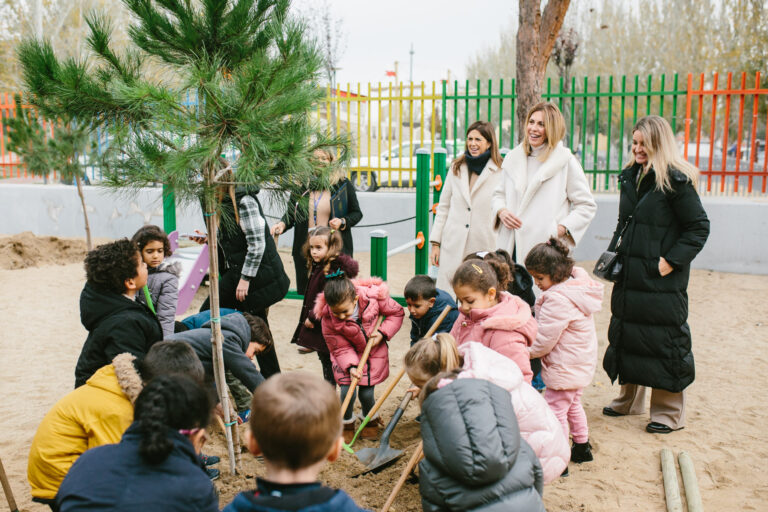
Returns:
<point x="557" y="194"/>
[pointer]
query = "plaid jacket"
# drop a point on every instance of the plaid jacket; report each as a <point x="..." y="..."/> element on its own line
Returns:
<point x="254" y="225"/>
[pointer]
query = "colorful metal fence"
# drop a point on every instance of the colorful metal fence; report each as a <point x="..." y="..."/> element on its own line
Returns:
<point x="388" y="123"/>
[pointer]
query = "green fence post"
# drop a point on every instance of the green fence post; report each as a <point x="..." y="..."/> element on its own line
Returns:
<point x="169" y="209"/>
<point x="422" y="209"/>
<point x="440" y="170"/>
<point x="379" y="253"/>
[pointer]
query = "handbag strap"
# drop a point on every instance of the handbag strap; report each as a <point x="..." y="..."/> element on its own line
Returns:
<point x="626" y="223"/>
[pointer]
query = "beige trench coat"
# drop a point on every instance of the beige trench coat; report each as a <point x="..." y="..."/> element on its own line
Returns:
<point x="464" y="220"/>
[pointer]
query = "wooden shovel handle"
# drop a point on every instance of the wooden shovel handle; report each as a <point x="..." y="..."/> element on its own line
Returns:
<point x="443" y="314"/>
<point x="400" y="374"/>
<point x="7" y="489"/>
<point x="361" y="364"/>
<point x="415" y="458"/>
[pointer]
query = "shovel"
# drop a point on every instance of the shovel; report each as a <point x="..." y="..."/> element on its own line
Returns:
<point x="355" y="380"/>
<point x="376" y="459"/>
<point x="395" y="380"/>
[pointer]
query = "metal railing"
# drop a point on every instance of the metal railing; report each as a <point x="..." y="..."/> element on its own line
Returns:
<point x="387" y="124"/>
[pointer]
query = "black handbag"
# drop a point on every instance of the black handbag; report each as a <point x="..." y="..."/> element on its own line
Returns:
<point x="609" y="265"/>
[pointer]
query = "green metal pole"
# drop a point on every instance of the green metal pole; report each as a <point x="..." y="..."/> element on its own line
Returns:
<point x="440" y="170"/>
<point x="379" y="253"/>
<point x="422" y="209"/>
<point x="169" y="209"/>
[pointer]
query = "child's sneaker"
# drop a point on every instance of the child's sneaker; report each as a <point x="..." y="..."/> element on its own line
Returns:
<point x="581" y="452"/>
<point x="243" y="416"/>
<point x="209" y="460"/>
<point x="372" y="429"/>
<point x="212" y="473"/>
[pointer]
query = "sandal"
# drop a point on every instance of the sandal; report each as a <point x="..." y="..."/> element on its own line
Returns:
<point x="607" y="411"/>
<point x="659" y="428"/>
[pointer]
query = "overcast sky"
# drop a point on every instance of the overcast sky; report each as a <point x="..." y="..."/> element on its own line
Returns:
<point x="445" y="35"/>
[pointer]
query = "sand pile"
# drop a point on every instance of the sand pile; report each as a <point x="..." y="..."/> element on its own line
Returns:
<point x="28" y="250"/>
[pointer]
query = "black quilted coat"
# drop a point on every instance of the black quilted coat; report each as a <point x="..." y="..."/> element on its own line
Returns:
<point x="649" y="338"/>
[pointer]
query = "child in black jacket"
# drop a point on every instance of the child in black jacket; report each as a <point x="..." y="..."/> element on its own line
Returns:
<point x="116" y="323"/>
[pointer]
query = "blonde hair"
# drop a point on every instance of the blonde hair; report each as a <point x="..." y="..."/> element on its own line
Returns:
<point x="554" y="126"/>
<point x="428" y="357"/>
<point x="663" y="155"/>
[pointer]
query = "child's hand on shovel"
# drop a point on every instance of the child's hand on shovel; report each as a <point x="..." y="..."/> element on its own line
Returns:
<point x="376" y="338"/>
<point x="353" y="372"/>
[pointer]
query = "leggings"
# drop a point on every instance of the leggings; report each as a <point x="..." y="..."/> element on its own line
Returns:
<point x="367" y="400"/>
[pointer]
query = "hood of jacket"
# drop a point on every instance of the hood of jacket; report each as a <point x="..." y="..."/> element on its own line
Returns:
<point x="368" y="288"/>
<point x="127" y="376"/>
<point x="120" y="377"/>
<point x="585" y="292"/>
<point x="234" y="323"/>
<point x="470" y="431"/>
<point x="170" y="266"/>
<point x="96" y="304"/>
<point x="511" y="313"/>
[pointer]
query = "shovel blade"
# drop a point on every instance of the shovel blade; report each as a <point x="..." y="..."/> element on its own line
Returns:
<point x="383" y="458"/>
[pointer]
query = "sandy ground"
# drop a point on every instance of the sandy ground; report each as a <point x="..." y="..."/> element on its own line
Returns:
<point x="726" y="408"/>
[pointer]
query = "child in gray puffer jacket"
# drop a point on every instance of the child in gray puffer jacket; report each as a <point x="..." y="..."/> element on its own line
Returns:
<point x="475" y="458"/>
<point x="163" y="279"/>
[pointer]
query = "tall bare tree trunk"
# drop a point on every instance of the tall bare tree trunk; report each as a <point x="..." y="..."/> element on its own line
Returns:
<point x="79" y="182"/>
<point x="536" y="36"/>
<point x="211" y="222"/>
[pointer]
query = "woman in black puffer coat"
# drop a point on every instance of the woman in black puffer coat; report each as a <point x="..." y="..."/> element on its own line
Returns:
<point x="666" y="227"/>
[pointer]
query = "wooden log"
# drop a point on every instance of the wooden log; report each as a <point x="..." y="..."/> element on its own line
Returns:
<point x="671" y="487"/>
<point x="690" y="484"/>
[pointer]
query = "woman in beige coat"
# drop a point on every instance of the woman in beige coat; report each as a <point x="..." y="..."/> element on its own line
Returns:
<point x="543" y="191"/>
<point x="464" y="220"/>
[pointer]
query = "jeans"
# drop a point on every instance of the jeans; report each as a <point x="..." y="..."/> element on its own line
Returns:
<point x="367" y="400"/>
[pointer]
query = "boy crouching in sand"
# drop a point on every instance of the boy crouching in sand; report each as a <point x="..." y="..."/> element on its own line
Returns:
<point x="297" y="429"/>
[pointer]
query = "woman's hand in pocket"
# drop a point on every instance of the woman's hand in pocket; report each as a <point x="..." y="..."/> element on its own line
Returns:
<point x="664" y="267"/>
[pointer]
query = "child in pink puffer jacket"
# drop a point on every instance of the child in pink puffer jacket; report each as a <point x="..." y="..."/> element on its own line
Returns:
<point x="349" y="311"/>
<point x="497" y="319"/>
<point x="567" y="340"/>
<point x="538" y="425"/>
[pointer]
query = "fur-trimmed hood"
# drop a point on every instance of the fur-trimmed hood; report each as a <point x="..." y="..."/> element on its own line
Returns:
<point x="509" y="314"/>
<point x="127" y="375"/>
<point x="368" y="288"/>
<point x="170" y="266"/>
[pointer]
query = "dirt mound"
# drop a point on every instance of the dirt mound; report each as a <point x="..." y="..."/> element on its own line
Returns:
<point x="28" y="250"/>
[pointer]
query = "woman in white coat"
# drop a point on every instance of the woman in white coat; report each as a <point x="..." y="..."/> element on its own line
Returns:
<point x="543" y="191"/>
<point x="464" y="219"/>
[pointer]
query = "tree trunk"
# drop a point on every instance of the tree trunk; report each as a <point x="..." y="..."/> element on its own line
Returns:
<point x="536" y="37"/>
<point x="79" y="182"/>
<point x="212" y="221"/>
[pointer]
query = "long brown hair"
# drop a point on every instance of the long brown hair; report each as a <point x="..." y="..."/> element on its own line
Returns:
<point x="489" y="133"/>
<point x="333" y="241"/>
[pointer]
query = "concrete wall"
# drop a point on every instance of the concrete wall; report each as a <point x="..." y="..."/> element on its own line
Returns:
<point x="736" y="244"/>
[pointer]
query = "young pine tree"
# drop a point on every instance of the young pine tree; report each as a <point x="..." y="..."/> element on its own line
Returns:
<point x="254" y="73"/>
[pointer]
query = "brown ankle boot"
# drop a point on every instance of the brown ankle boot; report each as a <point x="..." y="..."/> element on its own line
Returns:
<point x="372" y="429"/>
<point x="349" y="431"/>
